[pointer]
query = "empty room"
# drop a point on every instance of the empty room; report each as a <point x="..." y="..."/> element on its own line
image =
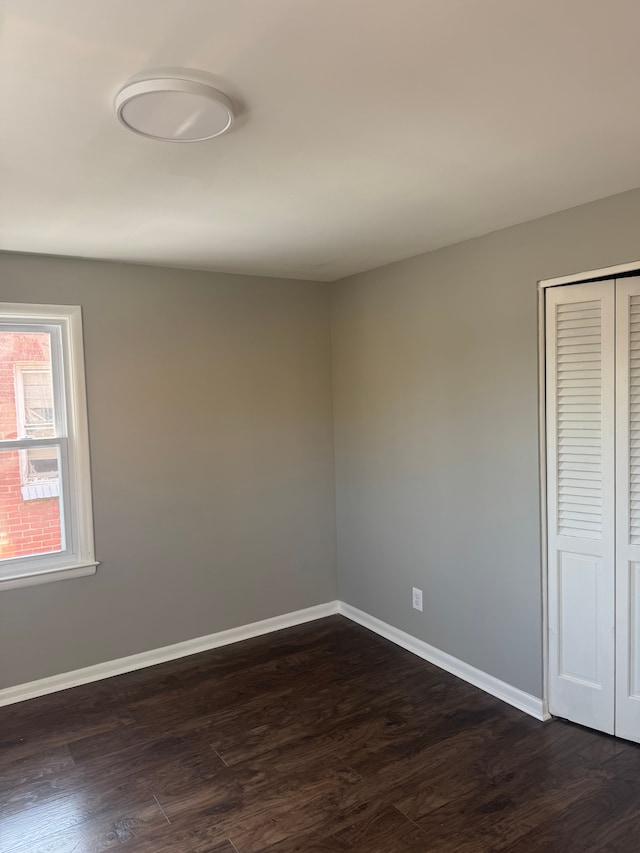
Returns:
<point x="319" y="426"/>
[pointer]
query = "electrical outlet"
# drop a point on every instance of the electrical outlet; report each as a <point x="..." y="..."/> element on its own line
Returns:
<point x="417" y="598"/>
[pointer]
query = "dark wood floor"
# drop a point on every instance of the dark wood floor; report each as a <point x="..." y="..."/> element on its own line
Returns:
<point x="318" y="738"/>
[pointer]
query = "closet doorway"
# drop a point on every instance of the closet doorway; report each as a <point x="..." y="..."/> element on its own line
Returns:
<point x="592" y="404"/>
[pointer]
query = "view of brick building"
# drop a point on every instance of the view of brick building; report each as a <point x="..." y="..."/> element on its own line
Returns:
<point x="29" y="479"/>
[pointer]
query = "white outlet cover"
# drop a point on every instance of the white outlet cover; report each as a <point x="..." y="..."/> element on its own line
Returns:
<point x="417" y="598"/>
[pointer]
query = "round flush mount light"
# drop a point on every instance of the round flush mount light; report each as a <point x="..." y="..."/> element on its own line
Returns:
<point x="174" y="110"/>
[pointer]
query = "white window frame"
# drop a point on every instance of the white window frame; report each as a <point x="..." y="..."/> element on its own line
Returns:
<point x="77" y="559"/>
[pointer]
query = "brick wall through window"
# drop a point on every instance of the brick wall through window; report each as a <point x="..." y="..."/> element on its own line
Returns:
<point x="29" y="488"/>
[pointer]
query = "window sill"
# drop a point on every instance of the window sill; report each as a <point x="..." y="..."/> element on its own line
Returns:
<point x="60" y="573"/>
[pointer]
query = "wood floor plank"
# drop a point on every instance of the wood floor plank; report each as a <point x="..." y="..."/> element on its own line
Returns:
<point x="386" y="832"/>
<point x="317" y="739"/>
<point x="30" y="769"/>
<point x="44" y="732"/>
<point x="65" y="827"/>
<point x="258" y="803"/>
<point x="381" y="830"/>
<point x="606" y="820"/>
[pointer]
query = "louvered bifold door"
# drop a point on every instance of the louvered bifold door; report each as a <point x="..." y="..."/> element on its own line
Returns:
<point x="628" y="508"/>
<point x="580" y="379"/>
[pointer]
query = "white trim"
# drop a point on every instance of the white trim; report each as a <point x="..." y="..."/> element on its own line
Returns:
<point x="43" y="686"/>
<point x="78" y="431"/>
<point x="542" y="450"/>
<point x="490" y="684"/>
<point x="603" y="272"/>
<point x="50" y="575"/>
<point x="500" y="689"/>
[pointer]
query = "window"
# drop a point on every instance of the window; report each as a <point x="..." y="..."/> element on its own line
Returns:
<point x="34" y="415"/>
<point x="46" y="528"/>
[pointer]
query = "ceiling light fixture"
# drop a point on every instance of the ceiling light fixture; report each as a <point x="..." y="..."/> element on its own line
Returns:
<point x="173" y="109"/>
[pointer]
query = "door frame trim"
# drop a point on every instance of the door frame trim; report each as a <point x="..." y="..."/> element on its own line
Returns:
<point x="588" y="275"/>
<point x="575" y="278"/>
<point x="542" y="479"/>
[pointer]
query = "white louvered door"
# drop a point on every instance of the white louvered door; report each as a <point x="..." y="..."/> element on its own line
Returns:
<point x="628" y="508"/>
<point x="580" y="381"/>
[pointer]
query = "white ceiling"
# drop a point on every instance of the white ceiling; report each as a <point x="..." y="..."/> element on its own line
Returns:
<point x="372" y="130"/>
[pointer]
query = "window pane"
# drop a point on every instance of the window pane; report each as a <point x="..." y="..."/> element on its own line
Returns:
<point x="30" y="516"/>
<point x="37" y="399"/>
<point x="26" y="387"/>
<point x="40" y="464"/>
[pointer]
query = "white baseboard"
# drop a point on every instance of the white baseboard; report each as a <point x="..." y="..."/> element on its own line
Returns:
<point x="52" y="684"/>
<point x="489" y="683"/>
<point x="500" y="689"/>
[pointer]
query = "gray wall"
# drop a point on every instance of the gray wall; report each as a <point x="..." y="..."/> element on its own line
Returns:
<point x="436" y="433"/>
<point x="212" y="460"/>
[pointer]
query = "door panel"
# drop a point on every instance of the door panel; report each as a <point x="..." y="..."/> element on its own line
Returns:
<point x="628" y="508"/>
<point x="580" y="365"/>
<point x="579" y="577"/>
